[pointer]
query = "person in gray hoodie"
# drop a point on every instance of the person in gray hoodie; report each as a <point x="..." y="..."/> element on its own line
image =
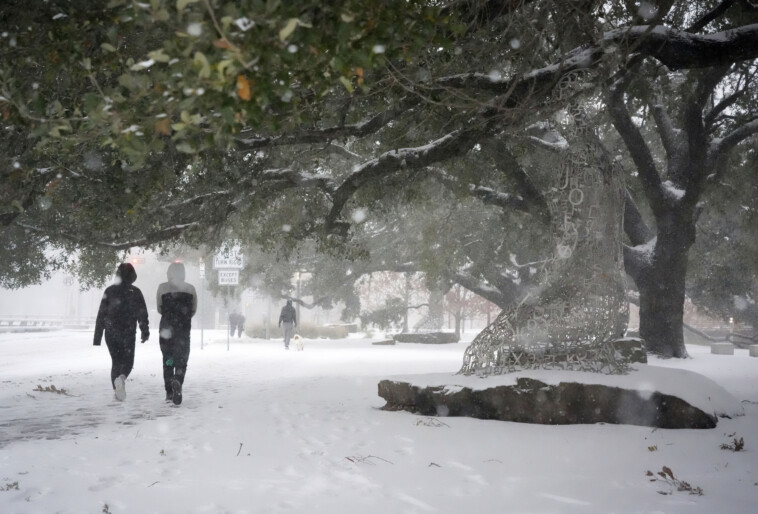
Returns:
<point x="121" y="310"/>
<point x="177" y="303"/>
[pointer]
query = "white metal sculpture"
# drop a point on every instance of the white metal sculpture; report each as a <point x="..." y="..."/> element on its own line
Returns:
<point x="581" y="304"/>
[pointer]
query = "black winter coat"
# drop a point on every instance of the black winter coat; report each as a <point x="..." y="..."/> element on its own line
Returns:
<point x="121" y="310"/>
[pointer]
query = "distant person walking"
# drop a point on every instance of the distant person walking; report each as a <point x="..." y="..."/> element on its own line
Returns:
<point x="177" y="303"/>
<point x="288" y="318"/>
<point x="121" y="310"/>
<point x="236" y="322"/>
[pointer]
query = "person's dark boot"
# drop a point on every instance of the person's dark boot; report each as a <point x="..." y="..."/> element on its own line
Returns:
<point x="176" y="397"/>
<point x="169" y="396"/>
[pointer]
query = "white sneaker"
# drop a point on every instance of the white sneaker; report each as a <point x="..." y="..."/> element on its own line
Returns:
<point x="120" y="384"/>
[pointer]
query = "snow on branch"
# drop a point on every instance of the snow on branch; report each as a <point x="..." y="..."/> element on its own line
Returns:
<point x="495" y="295"/>
<point x="326" y="134"/>
<point x="719" y="147"/>
<point x="450" y="145"/>
<point x="288" y="178"/>
<point x="486" y="195"/>
<point x="679" y="49"/>
<point x="676" y="49"/>
<point x="202" y="198"/>
<point x="556" y="146"/>
<point x="156" y="236"/>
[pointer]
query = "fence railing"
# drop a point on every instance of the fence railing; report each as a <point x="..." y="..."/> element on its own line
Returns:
<point x="22" y="322"/>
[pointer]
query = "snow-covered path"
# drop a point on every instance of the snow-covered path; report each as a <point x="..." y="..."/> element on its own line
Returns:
<point x="262" y="430"/>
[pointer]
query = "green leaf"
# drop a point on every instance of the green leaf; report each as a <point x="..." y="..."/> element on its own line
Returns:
<point x="108" y="47"/>
<point x="288" y="29"/>
<point x="272" y="5"/>
<point x="182" y="4"/>
<point x="222" y="67"/>
<point x="185" y="147"/>
<point x="348" y="85"/>
<point x="205" y="67"/>
<point x="159" y="55"/>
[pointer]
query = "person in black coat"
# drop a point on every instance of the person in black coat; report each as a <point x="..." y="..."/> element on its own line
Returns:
<point x="236" y="323"/>
<point x="240" y="324"/>
<point x="177" y="303"/>
<point x="288" y="318"/>
<point x="121" y="310"/>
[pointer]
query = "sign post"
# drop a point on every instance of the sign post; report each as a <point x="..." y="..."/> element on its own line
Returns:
<point x="202" y="301"/>
<point x="228" y="277"/>
<point x="228" y="263"/>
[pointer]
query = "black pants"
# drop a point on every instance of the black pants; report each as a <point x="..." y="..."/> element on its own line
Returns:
<point x="121" y="348"/>
<point x="175" y="351"/>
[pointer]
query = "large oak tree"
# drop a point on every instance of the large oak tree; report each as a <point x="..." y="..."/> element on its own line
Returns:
<point x="146" y="124"/>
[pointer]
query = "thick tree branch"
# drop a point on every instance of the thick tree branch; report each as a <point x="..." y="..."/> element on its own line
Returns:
<point x="669" y="134"/>
<point x="638" y="149"/>
<point x="675" y="48"/>
<point x="151" y="238"/>
<point x="508" y="165"/>
<point x="326" y="134"/>
<point x="453" y="144"/>
<point x="634" y="225"/>
<point x="723" y="104"/>
<point x="637" y="260"/>
<point x="719" y="147"/>
<point x="495" y="295"/>
<point x="679" y="49"/>
<point x="287" y="178"/>
<point x="711" y="15"/>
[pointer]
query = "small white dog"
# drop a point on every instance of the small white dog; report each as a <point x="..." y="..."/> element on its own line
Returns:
<point x="298" y="342"/>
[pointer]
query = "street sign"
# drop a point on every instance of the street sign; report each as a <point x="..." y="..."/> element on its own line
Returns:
<point x="227" y="277"/>
<point x="231" y="259"/>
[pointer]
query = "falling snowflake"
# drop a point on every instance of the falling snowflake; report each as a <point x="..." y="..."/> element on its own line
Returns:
<point x="195" y="29"/>
<point x="45" y="203"/>
<point x="244" y="23"/>
<point x="647" y="11"/>
<point x="740" y="303"/>
<point x="359" y="215"/>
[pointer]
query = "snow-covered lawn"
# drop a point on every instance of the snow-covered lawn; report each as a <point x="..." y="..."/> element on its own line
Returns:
<point x="262" y="430"/>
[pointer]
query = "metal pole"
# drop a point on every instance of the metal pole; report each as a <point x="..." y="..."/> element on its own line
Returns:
<point x="202" y="311"/>
<point x="228" y="327"/>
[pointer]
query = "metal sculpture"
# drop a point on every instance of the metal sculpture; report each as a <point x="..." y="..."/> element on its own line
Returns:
<point x="580" y="304"/>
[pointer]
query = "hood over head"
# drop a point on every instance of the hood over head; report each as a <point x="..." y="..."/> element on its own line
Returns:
<point x="126" y="273"/>
<point x="175" y="272"/>
<point x="289" y="302"/>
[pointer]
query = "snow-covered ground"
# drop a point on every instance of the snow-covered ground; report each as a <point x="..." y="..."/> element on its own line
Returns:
<point x="262" y="430"/>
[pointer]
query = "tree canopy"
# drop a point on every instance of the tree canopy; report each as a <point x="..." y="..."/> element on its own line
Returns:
<point x="283" y="124"/>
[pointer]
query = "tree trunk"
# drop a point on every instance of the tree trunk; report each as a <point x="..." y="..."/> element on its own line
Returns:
<point x="662" y="289"/>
